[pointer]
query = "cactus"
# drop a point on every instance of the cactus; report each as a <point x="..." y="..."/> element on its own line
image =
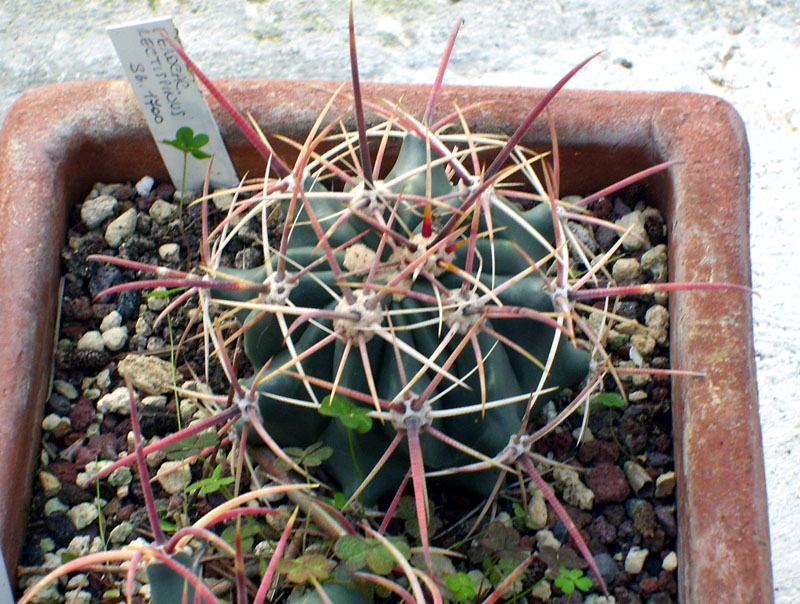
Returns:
<point x="379" y="309"/>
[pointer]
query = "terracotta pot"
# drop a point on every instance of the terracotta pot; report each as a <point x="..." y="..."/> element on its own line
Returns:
<point x="58" y="141"/>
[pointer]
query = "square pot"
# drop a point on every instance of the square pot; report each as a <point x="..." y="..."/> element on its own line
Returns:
<point x="59" y="140"/>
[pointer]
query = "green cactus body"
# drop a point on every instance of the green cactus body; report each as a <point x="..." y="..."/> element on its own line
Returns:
<point x="414" y="322"/>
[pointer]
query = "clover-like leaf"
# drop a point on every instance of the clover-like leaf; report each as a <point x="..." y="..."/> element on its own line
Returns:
<point x="188" y="142"/>
<point x="349" y="413"/>
<point x="462" y="586"/>
<point x="358" y="552"/>
<point x="191" y="445"/>
<point x="311" y="457"/>
<point x="571" y="578"/>
<point x="303" y="569"/>
<point x="212" y="484"/>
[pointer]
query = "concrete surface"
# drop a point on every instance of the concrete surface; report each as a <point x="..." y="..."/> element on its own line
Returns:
<point x="746" y="51"/>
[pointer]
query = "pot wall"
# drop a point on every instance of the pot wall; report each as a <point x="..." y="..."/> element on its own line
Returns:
<point x="59" y="140"/>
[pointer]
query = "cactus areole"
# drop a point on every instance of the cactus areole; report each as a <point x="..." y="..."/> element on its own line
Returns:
<point x="419" y="300"/>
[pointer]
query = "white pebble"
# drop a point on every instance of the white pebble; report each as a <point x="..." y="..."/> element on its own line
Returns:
<point x="156" y="401"/>
<point x="95" y="212"/>
<point x="112" y="319"/>
<point x="670" y="562"/>
<point x="145" y="185"/>
<point x="637" y="238"/>
<point x="117" y="401"/>
<point x="77" y="596"/>
<point x="626" y="270"/>
<point x="79" y="545"/>
<point x="170" y="252"/>
<point x="76" y="581"/>
<point x="82" y="515"/>
<point x="97" y="546"/>
<point x="174" y="476"/>
<point x="148" y="373"/>
<point x="53" y="421"/>
<point x="159" y="301"/>
<point x="654" y="261"/>
<point x="120" y="476"/>
<point x="51" y="485"/>
<point x="103" y="379"/>
<point x="572" y="489"/>
<point x="115" y="338"/>
<point x="162" y="211"/>
<point x="121" y="532"/>
<point x="120" y="228"/>
<point x="54" y="505"/>
<point x="91" y="340"/>
<point x="634" y="560"/>
<point x="66" y="389"/>
<point x="546" y="538"/>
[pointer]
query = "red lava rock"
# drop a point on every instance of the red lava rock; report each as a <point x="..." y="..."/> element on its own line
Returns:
<point x="655" y="543"/>
<point x="108" y="444"/>
<point x="648" y="586"/>
<point x="667" y="583"/>
<point x="71" y="438"/>
<point x="608" y="483"/>
<point x="124" y="192"/>
<point x="659" y="394"/>
<point x="602" y="530"/>
<point x="662" y="443"/>
<point x="560" y="444"/>
<point x="666" y="518"/>
<point x="163" y="191"/>
<point x="84" y="455"/>
<point x="124" y="513"/>
<point x="101" y="309"/>
<point x="63" y="470"/>
<point x="76" y="308"/>
<point x="623" y="579"/>
<point x="123" y="427"/>
<point x="598" y="452"/>
<point x="73" y="331"/>
<point x="82" y="414"/>
<point x="61" y="431"/>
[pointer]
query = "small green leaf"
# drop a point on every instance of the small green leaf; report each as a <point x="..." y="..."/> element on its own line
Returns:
<point x="212" y="484"/>
<point x="358" y="552"/>
<point x="193" y="445"/>
<point x="197" y="154"/>
<point x="188" y="142"/>
<point x="312" y="456"/>
<point x="167" y="526"/>
<point x="564" y="584"/>
<point x="301" y="570"/>
<point x="584" y="584"/>
<point x="349" y="413"/>
<point x="199" y="140"/>
<point x="570" y="578"/>
<point x="610" y="399"/>
<point x="461" y="585"/>
<point x="184" y="136"/>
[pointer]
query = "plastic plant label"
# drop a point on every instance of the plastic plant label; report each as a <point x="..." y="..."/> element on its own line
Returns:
<point x="173" y="105"/>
